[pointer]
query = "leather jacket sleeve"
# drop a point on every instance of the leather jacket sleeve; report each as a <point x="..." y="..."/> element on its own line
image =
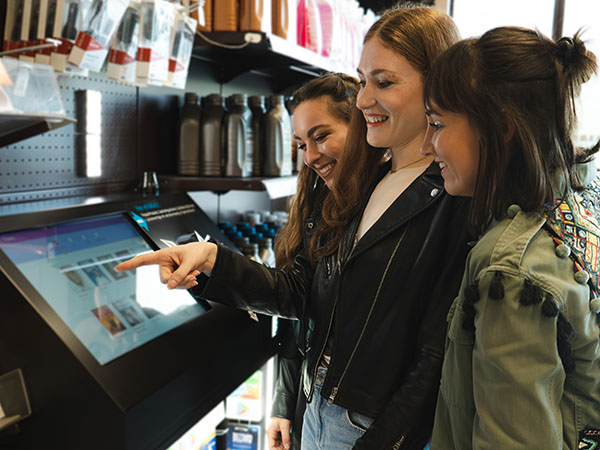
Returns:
<point x="245" y="284"/>
<point x="286" y="389"/>
<point x="406" y="421"/>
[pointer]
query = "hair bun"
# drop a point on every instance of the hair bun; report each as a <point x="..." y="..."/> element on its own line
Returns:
<point x="567" y="50"/>
<point x="575" y="59"/>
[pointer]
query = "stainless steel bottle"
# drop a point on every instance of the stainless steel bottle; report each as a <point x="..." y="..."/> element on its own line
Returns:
<point x="257" y="107"/>
<point x="278" y="139"/>
<point x="188" y="155"/>
<point x="211" y="148"/>
<point x="238" y="137"/>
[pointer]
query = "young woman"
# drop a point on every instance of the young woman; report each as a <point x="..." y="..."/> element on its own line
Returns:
<point x="374" y="286"/>
<point x="322" y="111"/>
<point x="522" y="365"/>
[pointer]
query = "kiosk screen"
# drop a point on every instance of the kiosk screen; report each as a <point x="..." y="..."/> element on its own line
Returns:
<point x="71" y="266"/>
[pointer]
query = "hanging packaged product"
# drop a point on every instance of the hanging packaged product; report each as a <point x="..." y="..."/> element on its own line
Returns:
<point x="99" y="26"/>
<point x="15" y="25"/>
<point x="32" y="13"/>
<point x="156" y="23"/>
<point x="121" y="59"/>
<point x="46" y="29"/>
<point x="203" y="15"/>
<point x="34" y="89"/>
<point x="182" y="43"/>
<point x="67" y="23"/>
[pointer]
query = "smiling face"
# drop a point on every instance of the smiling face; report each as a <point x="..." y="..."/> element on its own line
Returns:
<point x="454" y="144"/>
<point x="390" y="98"/>
<point x="320" y="136"/>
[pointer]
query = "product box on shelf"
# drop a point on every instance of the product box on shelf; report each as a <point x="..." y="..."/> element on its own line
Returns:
<point x="239" y="436"/>
<point x="245" y="403"/>
<point x="203" y="435"/>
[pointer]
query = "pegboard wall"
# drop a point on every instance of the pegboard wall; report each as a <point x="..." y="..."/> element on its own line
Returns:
<point x="45" y="166"/>
<point x="139" y="133"/>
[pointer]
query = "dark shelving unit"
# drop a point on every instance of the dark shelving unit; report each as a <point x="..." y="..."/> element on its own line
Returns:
<point x="276" y="187"/>
<point x="234" y="53"/>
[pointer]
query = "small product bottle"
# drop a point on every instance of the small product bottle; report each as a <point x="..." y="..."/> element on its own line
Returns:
<point x="257" y="108"/>
<point x="278" y="139"/>
<point x="225" y="15"/>
<point x="253" y="15"/>
<point x="211" y="147"/>
<point x="251" y="251"/>
<point x="238" y="137"/>
<point x="188" y="156"/>
<point x="281" y="18"/>
<point x="266" y="253"/>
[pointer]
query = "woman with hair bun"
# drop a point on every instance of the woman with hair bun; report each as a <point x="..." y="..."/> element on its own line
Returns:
<point x="522" y="361"/>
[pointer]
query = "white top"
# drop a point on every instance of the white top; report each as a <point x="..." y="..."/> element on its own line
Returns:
<point x="385" y="193"/>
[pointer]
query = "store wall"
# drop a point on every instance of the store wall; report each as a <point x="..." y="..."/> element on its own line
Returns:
<point x="139" y="133"/>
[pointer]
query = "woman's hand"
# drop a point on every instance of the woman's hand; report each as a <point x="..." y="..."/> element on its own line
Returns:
<point x="179" y="265"/>
<point x="278" y="434"/>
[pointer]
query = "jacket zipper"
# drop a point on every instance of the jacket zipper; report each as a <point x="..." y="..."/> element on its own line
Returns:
<point x="312" y="386"/>
<point x="399" y="443"/>
<point x="335" y="390"/>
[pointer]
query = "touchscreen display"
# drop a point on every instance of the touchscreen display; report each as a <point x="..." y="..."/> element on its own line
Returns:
<point x="111" y="313"/>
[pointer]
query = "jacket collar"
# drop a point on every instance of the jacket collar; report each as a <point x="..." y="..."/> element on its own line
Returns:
<point x="424" y="191"/>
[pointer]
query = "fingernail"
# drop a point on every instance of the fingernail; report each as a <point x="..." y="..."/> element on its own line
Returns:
<point x="286" y="445"/>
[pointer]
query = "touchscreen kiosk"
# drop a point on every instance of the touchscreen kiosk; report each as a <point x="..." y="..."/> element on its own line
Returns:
<point x="71" y="266"/>
<point x="114" y="360"/>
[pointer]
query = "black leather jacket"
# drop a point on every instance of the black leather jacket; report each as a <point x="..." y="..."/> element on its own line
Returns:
<point x="390" y="293"/>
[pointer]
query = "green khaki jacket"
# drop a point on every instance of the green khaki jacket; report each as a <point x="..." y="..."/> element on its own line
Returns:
<point x="522" y="362"/>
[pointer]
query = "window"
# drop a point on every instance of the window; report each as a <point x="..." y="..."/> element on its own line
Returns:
<point x="585" y="13"/>
<point x="474" y="17"/>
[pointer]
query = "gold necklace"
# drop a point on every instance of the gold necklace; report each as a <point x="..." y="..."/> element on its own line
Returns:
<point x="409" y="164"/>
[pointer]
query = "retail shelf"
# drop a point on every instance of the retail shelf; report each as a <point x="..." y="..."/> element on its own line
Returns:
<point x="235" y="53"/>
<point x="16" y="127"/>
<point x="276" y="187"/>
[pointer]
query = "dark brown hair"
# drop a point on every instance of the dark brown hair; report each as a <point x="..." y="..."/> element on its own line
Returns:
<point x="419" y="34"/>
<point x="515" y="78"/>
<point x="340" y="91"/>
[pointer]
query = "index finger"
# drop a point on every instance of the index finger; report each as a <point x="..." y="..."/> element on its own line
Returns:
<point x="145" y="259"/>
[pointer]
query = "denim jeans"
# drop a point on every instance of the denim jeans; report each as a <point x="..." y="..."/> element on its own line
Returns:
<point x="330" y="427"/>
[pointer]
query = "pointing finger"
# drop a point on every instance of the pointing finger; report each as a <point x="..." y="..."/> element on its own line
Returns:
<point x="140" y="260"/>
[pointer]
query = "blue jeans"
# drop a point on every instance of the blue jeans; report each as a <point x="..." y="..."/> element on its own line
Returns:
<point x="330" y="427"/>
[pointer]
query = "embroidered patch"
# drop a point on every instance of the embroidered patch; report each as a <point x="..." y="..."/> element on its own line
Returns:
<point x="589" y="439"/>
<point x="580" y="231"/>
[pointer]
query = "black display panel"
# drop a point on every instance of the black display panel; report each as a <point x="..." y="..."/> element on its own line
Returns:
<point x="147" y="397"/>
<point x="111" y="313"/>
